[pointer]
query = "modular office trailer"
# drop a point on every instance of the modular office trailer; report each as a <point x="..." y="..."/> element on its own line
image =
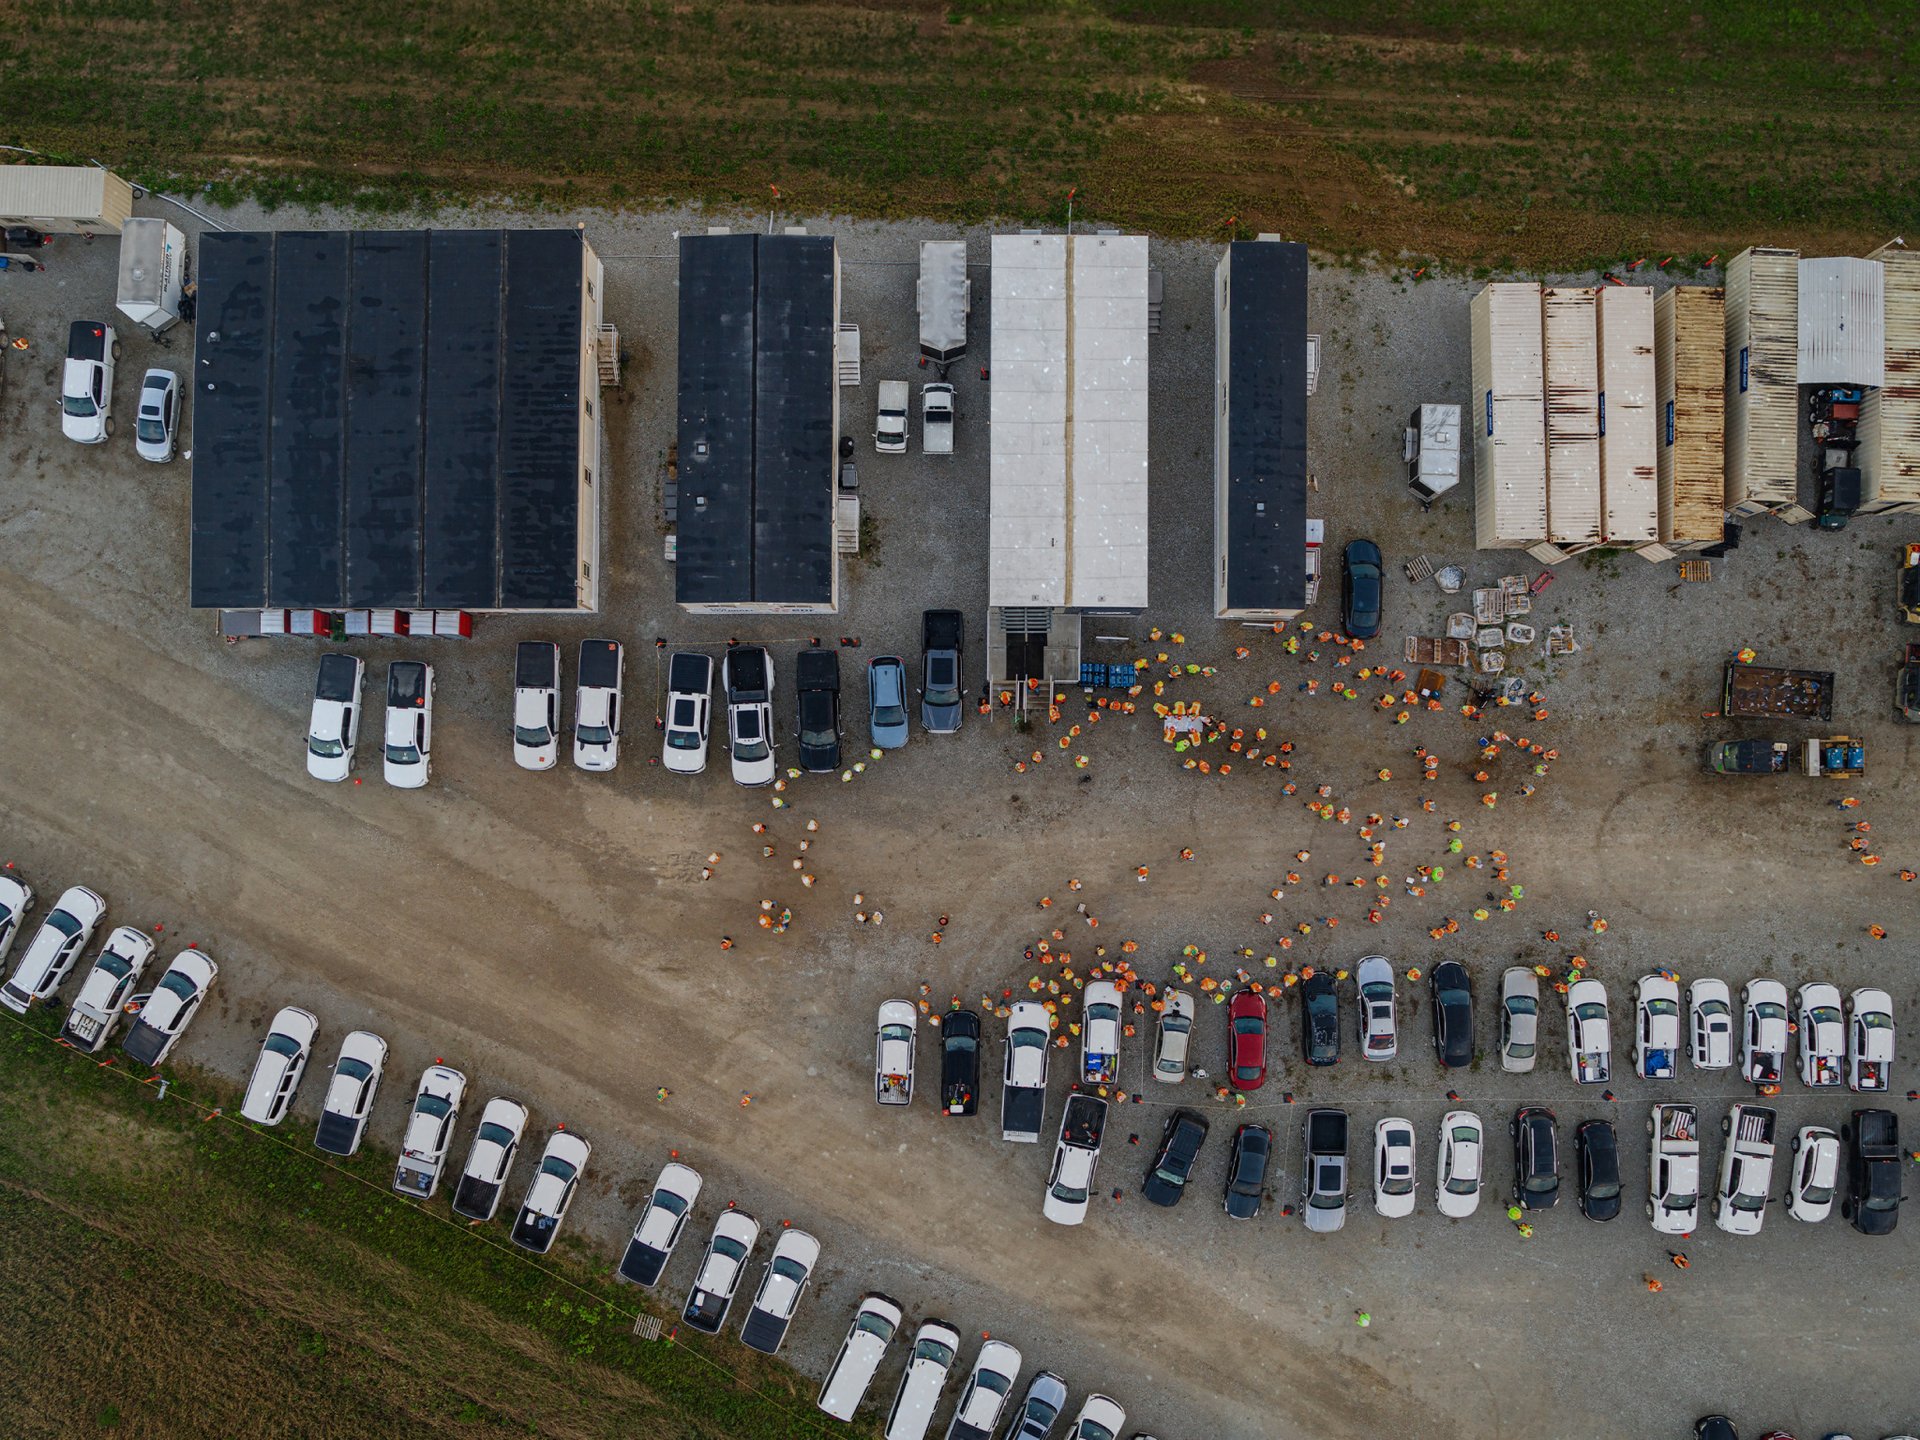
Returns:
<point x="1573" y="416"/>
<point x="1762" y="380"/>
<point x="397" y="419"/>
<point x="1629" y="484"/>
<point x="1889" y="430"/>
<point x="1509" y="418"/>
<point x="759" y="416"/>
<point x="1260" y="431"/>
<point x="1690" y="365"/>
<point x="65" y="199"/>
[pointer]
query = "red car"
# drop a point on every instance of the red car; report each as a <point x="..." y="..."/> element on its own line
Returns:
<point x="1247" y="1040"/>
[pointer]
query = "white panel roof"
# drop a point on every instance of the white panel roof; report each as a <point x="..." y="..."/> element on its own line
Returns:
<point x="1843" y="326"/>
<point x="1068" y="421"/>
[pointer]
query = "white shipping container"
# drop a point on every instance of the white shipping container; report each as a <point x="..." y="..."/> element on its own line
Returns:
<point x="1762" y="379"/>
<point x="1842" y="328"/>
<point x="66" y="199"/>
<point x="1889" y="432"/>
<point x="1690" y="336"/>
<point x="1508" y="417"/>
<point x="1629" y="483"/>
<point x="1573" y="416"/>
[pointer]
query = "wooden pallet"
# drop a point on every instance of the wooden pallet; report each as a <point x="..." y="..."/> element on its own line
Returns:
<point x="1696" y="570"/>
<point x="1419" y="568"/>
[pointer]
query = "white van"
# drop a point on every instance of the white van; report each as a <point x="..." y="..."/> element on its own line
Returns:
<point x="853" y="1368"/>
<point x="934" y="1346"/>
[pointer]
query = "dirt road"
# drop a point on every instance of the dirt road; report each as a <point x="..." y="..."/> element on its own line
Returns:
<point x="551" y="934"/>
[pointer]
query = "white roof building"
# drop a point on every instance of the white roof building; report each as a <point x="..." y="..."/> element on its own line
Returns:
<point x="1068" y="422"/>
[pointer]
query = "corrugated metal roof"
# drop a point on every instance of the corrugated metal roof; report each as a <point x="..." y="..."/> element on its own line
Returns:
<point x="1762" y="376"/>
<point x="74" y="192"/>
<point x="1068" y="421"/>
<point x="1509" y="419"/>
<point x="1573" y="416"/>
<point x="1890" y="419"/>
<point x="1843" y="333"/>
<point x="1629" y="484"/>
<point x="1691" y="364"/>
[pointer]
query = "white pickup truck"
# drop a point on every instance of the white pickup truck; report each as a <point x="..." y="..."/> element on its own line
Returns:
<point x="1673" y="1169"/>
<point x="890" y="419"/>
<point x="1746" y="1170"/>
<point x="105" y="991"/>
<point x="423" y="1150"/>
<point x="936" y="418"/>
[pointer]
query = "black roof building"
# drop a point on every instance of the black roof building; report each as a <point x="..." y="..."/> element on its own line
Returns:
<point x="394" y="419"/>
<point x="758" y="420"/>
<point x="1260" y="445"/>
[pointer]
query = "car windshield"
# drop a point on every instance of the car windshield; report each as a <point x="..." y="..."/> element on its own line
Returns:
<point x="66" y="924"/>
<point x="1459" y="1186"/>
<point x="1378" y="991"/>
<point x="1540" y="1184"/>
<point x="152" y="431"/>
<point x="1176" y="1025"/>
<point x="1249" y="1025"/>
<point x="1825" y="1015"/>
<point x="1521" y="1005"/>
<point x="789" y="1268"/>
<point x="1817" y="1195"/>
<point x="353" y="1069"/>
<point x="1246" y="1073"/>
<point x="1876" y="1021"/>
<point x="1167" y="1175"/>
<point x="1768" y="1010"/>
<point x="591" y="734"/>
<point x="896" y="1032"/>
<point x="1072" y="1194"/>
<point x="1749" y="1203"/>
<point x="118" y="966"/>
<point x="1327" y="1199"/>
<point x="1713" y="1007"/>
<point x="533" y="736"/>
<point x="497" y="1134"/>
<point x="403" y="754"/>
<point x="1592" y="1010"/>
<point x="1453" y="999"/>
<point x="560" y="1169"/>
<point x="280" y="1044"/>
<point x="1662" y="1007"/>
<point x="1680" y="1200"/>
<point x="1091" y="1431"/>
<point x="933" y="1350"/>
<point x="961" y="1044"/>
<point x="79" y="406"/>
<point x="750" y="750"/>
<point x="1041" y="1413"/>
<point x="178" y="984"/>
<point x="1604" y="1190"/>
<point x="326" y="749"/>
<point x="1107" y="1013"/>
<point x="669" y="1202"/>
<point x="434" y="1105"/>
<point x="1028" y="1039"/>
<point x="871" y="1324"/>
<point x="726" y="1245"/>
<point x="889" y="715"/>
<point x="1520" y="1049"/>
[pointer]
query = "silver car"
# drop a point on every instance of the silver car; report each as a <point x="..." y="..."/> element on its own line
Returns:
<point x="1176" y="1032"/>
<point x="1519" y="1019"/>
<point x="1379" y="1039"/>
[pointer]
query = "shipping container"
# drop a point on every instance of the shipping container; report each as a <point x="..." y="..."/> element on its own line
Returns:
<point x="65" y="199"/>
<point x="1762" y="381"/>
<point x="1629" y="483"/>
<point x="1842" y="333"/>
<point x="1509" y="417"/>
<point x="1573" y="416"/>
<point x="1889" y="431"/>
<point x="1690" y="364"/>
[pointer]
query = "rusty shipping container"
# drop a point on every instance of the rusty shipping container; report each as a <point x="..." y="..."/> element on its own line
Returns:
<point x="1629" y="484"/>
<point x="1889" y="454"/>
<point x="1690" y="367"/>
<point x="1508" y="417"/>
<point x="1573" y="416"/>
<point x="1762" y="380"/>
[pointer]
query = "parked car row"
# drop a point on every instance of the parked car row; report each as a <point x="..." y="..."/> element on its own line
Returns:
<point x="985" y="1407"/>
<point x="86" y="395"/>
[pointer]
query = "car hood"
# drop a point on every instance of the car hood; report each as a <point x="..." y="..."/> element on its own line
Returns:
<point x="939" y="717"/>
<point x="529" y="709"/>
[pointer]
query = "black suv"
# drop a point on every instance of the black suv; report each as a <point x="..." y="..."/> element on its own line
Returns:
<point x="1319" y="1019"/>
<point x="1599" y="1153"/>
<point x="960" y="1062"/>
<point x="1247" y="1171"/>
<point x="1536" y="1159"/>
<point x="1180" y="1146"/>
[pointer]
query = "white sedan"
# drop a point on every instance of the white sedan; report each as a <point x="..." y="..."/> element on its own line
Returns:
<point x="1100" y="1418"/>
<point x="174" y="1002"/>
<point x="1710" y="1038"/>
<point x="53" y="949"/>
<point x="1813" y="1174"/>
<point x="1869" y="1040"/>
<point x="283" y="1060"/>
<point x="1393" y="1179"/>
<point x="985" y="1394"/>
<point x="1100" y="1034"/>
<point x="1656" y="1031"/>
<point x="1589" y="1040"/>
<point x="1823" y="1035"/>
<point x="893" y="1053"/>
<point x="1379" y="1039"/>
<point x="1174" y="1037"/>
<point x="1763" y="1031"/>
<point x="1462" y="1160"/>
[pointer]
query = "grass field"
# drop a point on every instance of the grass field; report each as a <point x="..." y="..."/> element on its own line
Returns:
<point x="165" y="1274"/>
<point x="1474" y="130"/>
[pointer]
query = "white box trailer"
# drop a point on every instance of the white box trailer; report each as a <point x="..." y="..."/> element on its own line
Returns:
<point x="1889" y="429"/>
<point x="1573" y="415"/>
<point x="1509" y="429"/>
<point x="153" y="265"/>
<point x="1762" y="382"/>
<point x="64" y="199"/>
<point x="1629" y="482"/>
<point x="945" y="294"/>
<point x="1433" y="451"/>
<point x="1690" y="368"/>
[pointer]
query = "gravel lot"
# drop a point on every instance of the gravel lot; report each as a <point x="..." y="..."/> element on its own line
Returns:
<point x="549" y="933"/>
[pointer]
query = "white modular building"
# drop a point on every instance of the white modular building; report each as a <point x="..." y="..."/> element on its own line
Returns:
<point x="1509" y="417"/>
<point x="1629" y="479"/>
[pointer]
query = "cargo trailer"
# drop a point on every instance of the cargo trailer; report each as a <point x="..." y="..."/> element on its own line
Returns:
<point x="1629" y="483"/>
<point x="1762" y="383"/>
<point x="153" y="272"/>
<point x="1889" y="428"/>
<point x="1509" y="417"/>
<point x="1433" y="451"/>
<point x="1689" y="331"/>
<point x="945" y="295"/>
<point x="1573" y="415"/>
<point x="1755" y="692"/>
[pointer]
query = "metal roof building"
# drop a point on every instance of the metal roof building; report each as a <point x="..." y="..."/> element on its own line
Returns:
<point x="759" y="415"/>
<point x="1843" y="330"/>
<point x="1068" y="422"/>
<point x="1573" y="416"/>
<point x="1508" y="416"/>
<point x="1762" y="385"/>
<point x="1690" y="365"/>
<point x="396" y="419"/>
<point x="1629" y="483"/>
<point x="1260" y="430"/>
<point x="1890" y="417"/>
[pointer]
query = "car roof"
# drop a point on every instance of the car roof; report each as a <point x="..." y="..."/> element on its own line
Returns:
<point x="565" y="1145"/>
<point x="1764" y="990"/>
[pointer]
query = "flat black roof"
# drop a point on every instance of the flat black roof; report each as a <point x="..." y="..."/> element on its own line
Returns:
<point x="756" y="439"/>
<point x="1266" y="466"/>
<point x="387" y="419"/>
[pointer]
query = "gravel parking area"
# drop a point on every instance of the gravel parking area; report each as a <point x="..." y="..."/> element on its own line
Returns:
<point x="551" y="935"/>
